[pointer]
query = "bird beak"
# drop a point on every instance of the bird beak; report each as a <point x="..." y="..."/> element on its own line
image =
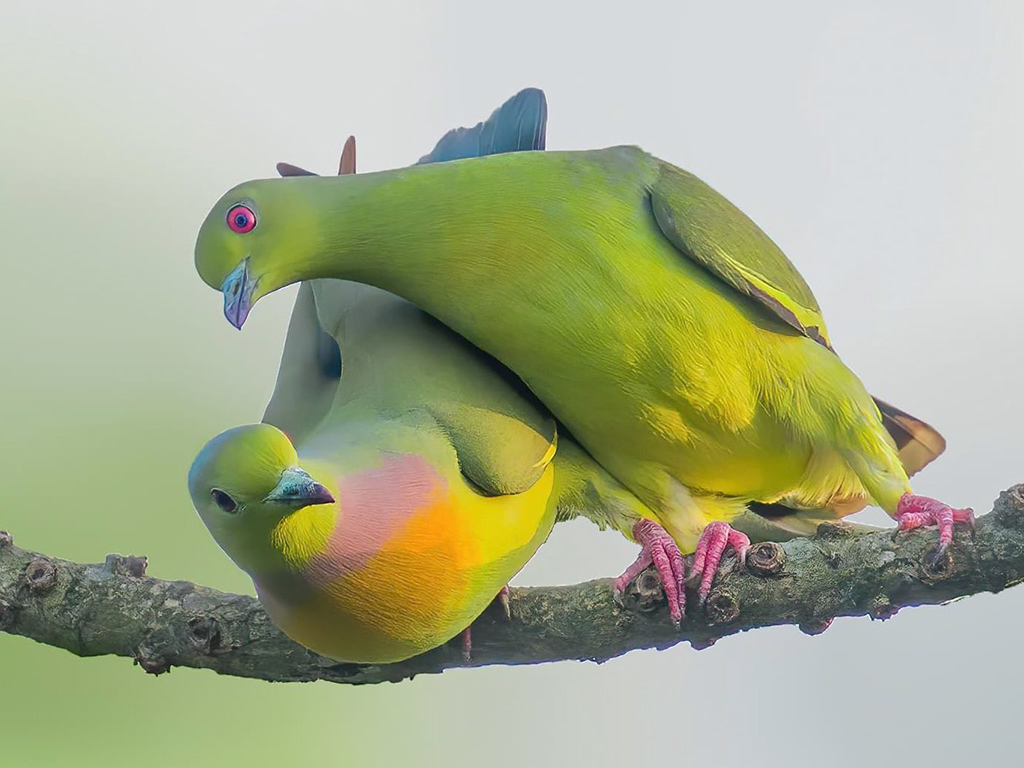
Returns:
<point x="237" y="289"/>
<point x="297" y="489"/>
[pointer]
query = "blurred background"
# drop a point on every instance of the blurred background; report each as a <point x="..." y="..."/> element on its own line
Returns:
<point x="879" y="145"/>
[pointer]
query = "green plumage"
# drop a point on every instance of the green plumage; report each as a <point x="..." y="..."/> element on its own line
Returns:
<point x="653" y="318"/>
<point x="409" y="475"/>
<point x="400" y="363"/>
<point x="709" y="229"/>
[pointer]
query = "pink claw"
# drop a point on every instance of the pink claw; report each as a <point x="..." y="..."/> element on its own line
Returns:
<point x="915" y="511"/>
<point x="713" y="542"/>
<point x="659" y="548"/>
<point x="503" y="598"/>
<point x="466" y="637"/>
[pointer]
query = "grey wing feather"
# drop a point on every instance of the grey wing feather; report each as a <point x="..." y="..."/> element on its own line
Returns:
<point x="309" y="372"/>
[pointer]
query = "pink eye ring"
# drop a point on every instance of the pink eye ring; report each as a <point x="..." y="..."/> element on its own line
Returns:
<point x="241" y="219"/>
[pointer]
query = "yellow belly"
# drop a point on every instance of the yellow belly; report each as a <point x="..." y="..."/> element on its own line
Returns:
<point x="427" y="584"/>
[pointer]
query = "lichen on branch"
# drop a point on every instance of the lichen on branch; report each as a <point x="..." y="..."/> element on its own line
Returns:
<point x="114" y="608"/>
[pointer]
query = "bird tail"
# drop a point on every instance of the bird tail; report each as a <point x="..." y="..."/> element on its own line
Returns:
<point x="777" y="522"/>
<point x="917" y="443"/>
<point x="517" y="125"/>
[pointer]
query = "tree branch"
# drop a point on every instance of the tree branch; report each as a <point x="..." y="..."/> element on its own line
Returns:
<point x="114" y="608"/>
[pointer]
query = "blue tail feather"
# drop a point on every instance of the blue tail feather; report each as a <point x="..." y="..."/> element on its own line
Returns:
<point x="517" y="125"/>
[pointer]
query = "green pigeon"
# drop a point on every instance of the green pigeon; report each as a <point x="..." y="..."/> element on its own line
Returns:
<point x="431" y="362"/>
<point x="373" y="319"/>
<point x="656" y="321"/>
<point x="379" y="512"/>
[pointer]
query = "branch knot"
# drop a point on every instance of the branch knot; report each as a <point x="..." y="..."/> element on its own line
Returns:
<point x="1009" y="507"/>
<point x="766" y="559"/>
<point x="203" y="634"/>
<point x="151" y="660"/>
<point x="722" y="607"/>
<point x="127" y="566"/>
<point x="40" y="575"/>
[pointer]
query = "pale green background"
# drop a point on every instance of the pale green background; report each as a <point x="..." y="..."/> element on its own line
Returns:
<point x="878" y="143"/>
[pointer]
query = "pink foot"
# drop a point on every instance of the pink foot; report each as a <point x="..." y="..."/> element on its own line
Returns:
<point x="503" y="599"/>
<point x="659" y="548"/>
<point x="466" y="638"/>
<point x="916" y="511"/>
<point x="713" y="542"/>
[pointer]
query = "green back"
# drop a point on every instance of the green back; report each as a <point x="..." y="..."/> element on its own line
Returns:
<point x="402" y="364"/>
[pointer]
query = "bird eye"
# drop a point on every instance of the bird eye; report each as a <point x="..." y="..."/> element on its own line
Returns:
<point x="241" y="219"/>
<point x="223" y="501"/>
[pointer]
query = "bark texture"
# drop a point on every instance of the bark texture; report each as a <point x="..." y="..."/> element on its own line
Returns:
<point x="114" y="608"/>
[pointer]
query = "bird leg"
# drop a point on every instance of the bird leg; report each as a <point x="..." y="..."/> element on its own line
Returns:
<point x="915" y="511"/>
<point x="660" y="549"/>
<point x="503" y="599"/>
<point x="466" y="637"/>
<point x="714" y="540"/>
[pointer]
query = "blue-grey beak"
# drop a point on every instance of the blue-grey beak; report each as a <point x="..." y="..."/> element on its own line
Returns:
<point x="237" y="289"/>
<point x="297" y="489"/>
